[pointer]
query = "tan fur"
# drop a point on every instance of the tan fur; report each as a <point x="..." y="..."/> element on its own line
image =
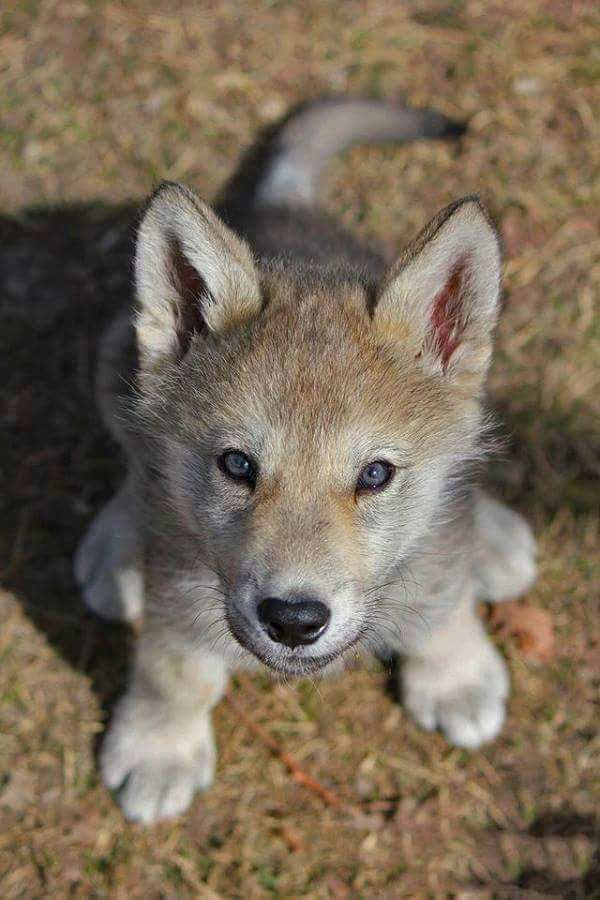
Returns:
<point x="314" y="370"/>
<point x="224" y="261"/>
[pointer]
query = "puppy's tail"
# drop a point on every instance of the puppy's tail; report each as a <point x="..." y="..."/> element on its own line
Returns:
<point x="284" y="169"/>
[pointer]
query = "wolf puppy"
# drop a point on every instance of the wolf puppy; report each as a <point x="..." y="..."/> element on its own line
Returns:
<point x="299" y="421"/>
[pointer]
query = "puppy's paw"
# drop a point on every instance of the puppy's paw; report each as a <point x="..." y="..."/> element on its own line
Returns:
<point x="464" y="698"/>
<point x="156" y="767"/>
<point x="107" y="563"/>
<point x="505" y="563"/>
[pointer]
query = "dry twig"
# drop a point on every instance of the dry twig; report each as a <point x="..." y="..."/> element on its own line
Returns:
<point x="292" y="765"/>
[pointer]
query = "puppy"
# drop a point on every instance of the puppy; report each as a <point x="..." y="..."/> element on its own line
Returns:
<point x="300" y="422"/>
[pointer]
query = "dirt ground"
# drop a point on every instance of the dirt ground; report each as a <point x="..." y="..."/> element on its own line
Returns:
<point x="98" y="101"/>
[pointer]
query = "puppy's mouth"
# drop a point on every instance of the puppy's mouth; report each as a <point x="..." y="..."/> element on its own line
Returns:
<point x="292" y="662"/>
<point x="301" y="660"/>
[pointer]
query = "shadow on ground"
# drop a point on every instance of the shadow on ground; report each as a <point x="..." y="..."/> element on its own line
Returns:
<point x="63" y="274"/>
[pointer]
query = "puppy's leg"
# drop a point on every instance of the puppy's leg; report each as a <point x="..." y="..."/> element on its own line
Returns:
<point x="159" y="749"/>
<point x="108" y="564"/>
<point x="504" y="562"/>
<point x="457" y="681"/>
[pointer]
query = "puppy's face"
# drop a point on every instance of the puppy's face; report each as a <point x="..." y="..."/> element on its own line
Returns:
<point x="309" y="436"/>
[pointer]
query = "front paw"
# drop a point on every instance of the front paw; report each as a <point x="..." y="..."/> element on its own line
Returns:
<point x="154" y="763"/>
<point x="107" y="563"/>
<point x="464" y="698"/>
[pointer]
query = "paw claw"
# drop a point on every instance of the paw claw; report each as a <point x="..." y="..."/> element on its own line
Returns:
<point x="474" y="722"/>
<point x="155" y="791"/>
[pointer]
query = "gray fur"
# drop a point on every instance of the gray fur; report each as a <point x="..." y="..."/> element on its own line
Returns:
<point x="307" y="142"/>
<point x="290" y="340"/>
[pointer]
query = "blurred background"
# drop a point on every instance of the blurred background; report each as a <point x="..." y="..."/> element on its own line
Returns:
<point x="98" y="102"/>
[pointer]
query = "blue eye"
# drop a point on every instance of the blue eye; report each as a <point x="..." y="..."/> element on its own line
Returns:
<point x="237" y="466"/>
<point x="375" y="476"/>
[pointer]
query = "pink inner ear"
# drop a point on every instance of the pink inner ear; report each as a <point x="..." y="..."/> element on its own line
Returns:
<point x="446" y="320"/>
<point x="191" y="289"/>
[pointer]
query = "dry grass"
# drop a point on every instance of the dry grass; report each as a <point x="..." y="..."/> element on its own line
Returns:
<point x="98" y="100"/>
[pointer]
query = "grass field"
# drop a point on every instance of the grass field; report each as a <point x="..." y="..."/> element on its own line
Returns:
<point x="98" y="101"/>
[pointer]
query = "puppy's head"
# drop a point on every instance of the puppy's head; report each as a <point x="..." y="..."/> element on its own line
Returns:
<point x="309" y="422"/>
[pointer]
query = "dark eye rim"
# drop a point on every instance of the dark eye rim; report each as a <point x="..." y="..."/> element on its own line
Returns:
<point x="362" y="488"/>
<point x="248" y="478"/>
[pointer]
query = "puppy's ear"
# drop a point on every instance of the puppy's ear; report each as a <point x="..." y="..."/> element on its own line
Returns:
<point x="441" y="297"/>
<point x="193" y="275"/>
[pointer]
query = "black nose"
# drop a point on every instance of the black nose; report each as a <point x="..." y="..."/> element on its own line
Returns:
<point x="293" y="622"/>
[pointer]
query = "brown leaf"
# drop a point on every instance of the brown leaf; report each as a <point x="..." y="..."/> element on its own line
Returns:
<point x="531" y="627"/>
